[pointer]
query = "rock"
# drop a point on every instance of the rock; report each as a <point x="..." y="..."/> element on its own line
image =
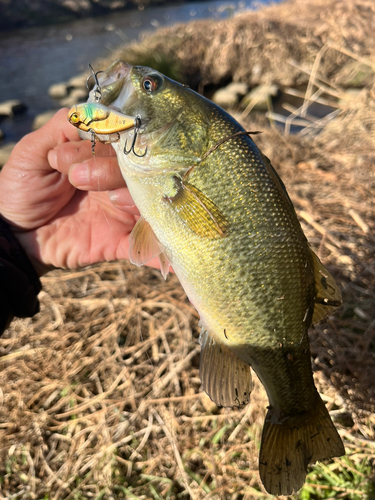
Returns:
<point x="17" y="14"/>
<point x="260" y="97"/>
<point x="2" y="135"/>
<point x="5" y="152"/>
<point x="78" y="82"/>
<point x="58" y="90"/>
<point x="239" y="88"/>
<point x="42" y="119"/>
<point x="76" y="96"/>
<point x="225" y="98"/>
<point x="12" y="107"/>
<point x="229" y="96"/>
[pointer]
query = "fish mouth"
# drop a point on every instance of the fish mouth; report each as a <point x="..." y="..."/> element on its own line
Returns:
<point x="116" y="89"/>
<point x="111" y="84"/>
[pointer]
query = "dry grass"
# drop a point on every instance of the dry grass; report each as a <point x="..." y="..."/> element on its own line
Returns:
<point x="100" y="392"/>
<point x="267" y="46"/>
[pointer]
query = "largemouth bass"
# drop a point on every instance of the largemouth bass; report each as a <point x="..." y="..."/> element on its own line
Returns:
<point x="214" y="208"/>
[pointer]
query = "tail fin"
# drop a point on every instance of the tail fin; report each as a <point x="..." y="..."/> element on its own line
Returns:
<point x="290" y="444"/>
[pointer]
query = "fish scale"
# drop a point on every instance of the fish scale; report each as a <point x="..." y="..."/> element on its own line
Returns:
<point x="213" y="207"/>
<point x="237" y="276"/>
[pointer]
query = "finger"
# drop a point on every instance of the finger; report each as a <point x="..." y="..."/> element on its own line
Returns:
<point x="97" y="174"/>
<point x="56" y="131"/>
<point x="122" y="200"/>
<point x="65" y="155"/>
<point x="38" y="143"/>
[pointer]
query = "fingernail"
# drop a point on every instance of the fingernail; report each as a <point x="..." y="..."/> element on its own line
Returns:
<point x="79" y="174"/>
<point x="121" y="198"/>
<point x="52" y="158"/>
<point x="113" y="196"/>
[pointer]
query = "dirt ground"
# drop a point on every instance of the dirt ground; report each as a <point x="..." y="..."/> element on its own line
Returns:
<point x="100" y="392"/>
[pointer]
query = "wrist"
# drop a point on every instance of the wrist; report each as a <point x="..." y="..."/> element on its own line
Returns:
<point x="18" y="278"/>
<point x="27" y="241"/>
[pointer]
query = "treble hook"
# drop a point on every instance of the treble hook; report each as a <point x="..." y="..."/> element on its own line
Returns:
<point x="93" y="142"/>
<point x="98" y="90"/>
<point x="137" y="126"/>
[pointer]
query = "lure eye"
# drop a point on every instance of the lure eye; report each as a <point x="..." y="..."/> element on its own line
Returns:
<point x="151" y="83"/>
<point x="74" y="118"/>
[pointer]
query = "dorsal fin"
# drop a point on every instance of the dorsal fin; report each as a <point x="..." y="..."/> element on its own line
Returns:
<point x="327" y="293"/>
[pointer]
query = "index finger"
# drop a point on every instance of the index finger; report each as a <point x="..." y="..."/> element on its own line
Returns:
<point x="56" y="131"/>
<point x="59" y="129"/>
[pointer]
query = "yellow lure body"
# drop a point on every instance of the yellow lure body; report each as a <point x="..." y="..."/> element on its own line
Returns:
<point x="97" y="118"/>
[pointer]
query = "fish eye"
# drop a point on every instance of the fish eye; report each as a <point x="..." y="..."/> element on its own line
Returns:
<point x="151" y="83"/>
<point x="74" y="118"/>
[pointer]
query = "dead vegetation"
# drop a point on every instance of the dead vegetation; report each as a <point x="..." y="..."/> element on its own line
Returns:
<point x="100" y="392"/>
<point x="262" y="47"/>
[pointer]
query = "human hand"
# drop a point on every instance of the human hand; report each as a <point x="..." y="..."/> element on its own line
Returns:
<point x="57" y="224"/>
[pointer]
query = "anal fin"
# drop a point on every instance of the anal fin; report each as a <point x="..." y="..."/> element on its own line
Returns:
<point x="289" y="444"/>
<point x="224" y="376"/>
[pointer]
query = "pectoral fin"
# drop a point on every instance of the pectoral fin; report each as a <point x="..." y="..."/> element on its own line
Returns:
<point x="327" y="293"/>
<point x="198" y="211"/>
<point x="225" y="377"/>
<point x="144" y="246"/>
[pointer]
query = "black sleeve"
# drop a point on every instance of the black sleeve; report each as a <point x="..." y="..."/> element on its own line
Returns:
<point x="19" y="282"/>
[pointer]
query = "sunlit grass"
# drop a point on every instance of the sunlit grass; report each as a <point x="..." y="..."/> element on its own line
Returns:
<point x="349" y="477"/>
